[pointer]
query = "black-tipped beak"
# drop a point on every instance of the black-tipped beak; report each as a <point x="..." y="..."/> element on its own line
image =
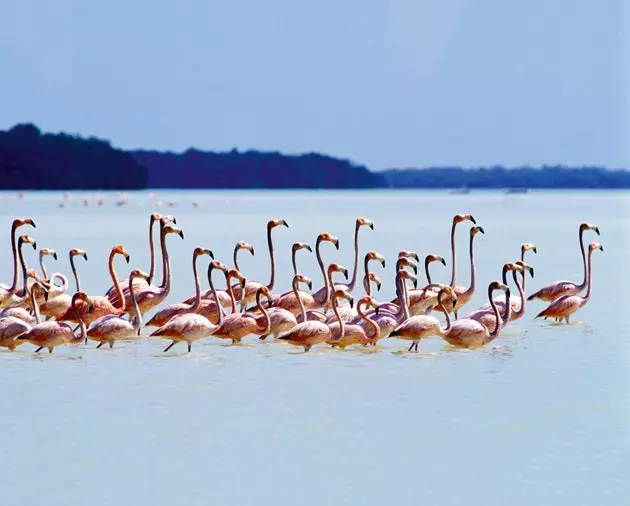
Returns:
<point x="345" y="274"/>
<point x="481" y="230"/>
<point x="415" y="269"/>
<point x="85" y="256"/>
<point x="310" y="285"/>
<point x="443" y="262"/>
<point x="597" y="230"/>
<point x="54" y="255"/>
<point x="473" y="220"/>
<point x="378" y="288"/>
<point x="376" y="310"/>
<point x="601" y="248"/>
<point x="34" y="244"/>
<point x="454" y="303"/>
<point x="46" y="295"/>
<point x="127" y="258"/>
<point x="309" y="248"/>
<point x="415" y="283"/>
<point x="371" y="225"/>
<point x="337" y="244"/>
<point x="383" y="263"/>
<point x="285" y="223"/>
<point x="351" y="301"/>
<point x="174" y="223"/>
<point x="181" y="234"/>
<point x="251" y="250"/>
<point x="532" y="272"/>
<point x="211" y="254"/>
<point x="33" y="224"/>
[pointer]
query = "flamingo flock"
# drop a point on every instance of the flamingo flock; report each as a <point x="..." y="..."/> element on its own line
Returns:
<point x="45" y="311"/>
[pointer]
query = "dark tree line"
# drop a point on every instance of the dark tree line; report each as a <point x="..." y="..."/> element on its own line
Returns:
<point x="32" y="160"/>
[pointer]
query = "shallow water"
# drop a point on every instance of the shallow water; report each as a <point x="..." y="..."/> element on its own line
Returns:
<point x="541" y="416"/>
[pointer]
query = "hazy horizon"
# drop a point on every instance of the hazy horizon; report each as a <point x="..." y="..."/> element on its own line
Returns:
<point x="385" y="84"/>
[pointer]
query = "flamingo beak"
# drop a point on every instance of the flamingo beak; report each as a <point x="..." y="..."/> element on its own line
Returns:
<point x="443" y="261"/>
<point x="309" y="283"/>
<point x="336" y="243"/>
<point x="376" y="310"/>
<point x="470" y="217"/>
<point x="383" y="263"/>
<point x="596" y="230"/>
<point x="34" y="243"/>
<point x="601" y="248"/>
<point x="531" y="272"/>
<point x="345" y="273"/>
<point x="251" y="250"/>
<point x="180" y="233"/>
<point x="308" y="247"/>
<point x="454" y="302"/>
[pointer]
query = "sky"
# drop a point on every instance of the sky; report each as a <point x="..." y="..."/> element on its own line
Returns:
<point x="385" y="83"/>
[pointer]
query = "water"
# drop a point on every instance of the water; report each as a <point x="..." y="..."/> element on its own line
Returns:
<point x="539" y="417"/>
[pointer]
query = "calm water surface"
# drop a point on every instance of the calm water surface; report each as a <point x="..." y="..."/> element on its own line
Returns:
<point x="539" y="417"/>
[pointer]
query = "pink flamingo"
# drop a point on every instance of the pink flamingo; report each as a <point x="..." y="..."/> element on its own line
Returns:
<point x="361" y="222"/>
<point x="190" y="327"/>
<point x="6" y="291"/>
<point x="17" y="297"/>
<point x="560" y="288"/>
<point x="319" y="315"/>
<point x="110" y="328"/>
<point x="307" y="333"/>
<point x="467" y="333"/>
<point x="352" y="333"/>
<point x="415" y="328"/>
<point x="322" y="296"/>
<point x="59" y="304"/>
<point x="208" y="306"/>
<point x="12" y="327"/>
<point x="457" y="219"/>
<point x="395" y="305"/>
<point x="55" y="333"/>
<point x="150" y="296"/>
<point x="165" y="314"/>
<point x="422" y="300"/>
<point x="124" y="284"/>
<point x="53" y="290"/>
<point x="565" y="306"/>
<point x="287" y="300"/>
<point x="101" y="305"/>
<point x="368" y="280"/>
<point x="238" y="325"/>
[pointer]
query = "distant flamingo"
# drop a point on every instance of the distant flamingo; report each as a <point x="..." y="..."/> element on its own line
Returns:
<point x="560" y="288"/>
<point x="110" y="328"/>
<point x="465" y="294"/>
<point x="563" y="307"/>
<point x="101" y="305"/>
<point x="409" y="254"/>
<point x="369" y="257"/>
<point x="165" y="314"/>
<point x="467" y="333"/>
<point x="457" y="219"/>
<point x="59" y="304"/>
<point x="18" y="296"/>
<point x="322" y="296"/>
<point x="415" y="328"/>
<point x="307" y="333"/>
<point x="12" y="327"/>
<point x="239" y="325"/>
<point x="7" y="291"/>
<point x="361" y="222"/>
<point x="191" y="326"/>
<point x="54" y="333"/>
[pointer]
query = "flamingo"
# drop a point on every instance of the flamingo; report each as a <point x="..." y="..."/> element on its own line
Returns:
<point x="238" y="325"/>
<point x="465" y="294"/>
<point x="12" y="327"/>
<point x="101" y="305"/>
<point x="422" y="300"/>
<point x="165" y="314"/>
<point x="110" y="328"/>
<point x="251" y="287"/>
<point x="560" y="288"/>
<point x="189" y="327"/>
<point x="343" y="333"/>
<point x="457" y="219"/>
<point x="6" y="291"/>
<point x="287" y="299"/>
<point x="208" y="306"/>
<point x="55" y="333"/>
<point x="322" y="296"/>
<point x="563" y="307"/>
<point x="111" y="294"/>
<point x="395" y="305"/>
<point x="307" y="333"/>
<point x="368" y="280"/>
<point x="415" y="328"/>
<point x="349" y="286"/>
<point x="151" y="295"/>
<point x="467" y="333"/>
<point x="17" y="297"/>
<point x="59" y="304"/>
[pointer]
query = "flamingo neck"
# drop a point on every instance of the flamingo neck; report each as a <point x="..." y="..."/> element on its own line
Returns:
<point x="446" y="329"/>
<point x="272" y="259"/>
<point x="299" y="299"/>
<point x="235" y="258"/>
<point x="453" y="254"/>
<point x="42" y="266"/>
<point x="332" y="286"/>
<point x="151" y="251"/>
<point x="353" y="281"/>
<point x="34" y="304"/>
<point x="166" y="263"/>
<point x="195" y="305"/>
<point x="471" y="288"/>
<point x="521" y="293"/>
<point x="366" y="286"/>
<point x="78" y="317"/>
<point x="215" y="295"/>
<point x="497" y="318"/>
<point x="23" y="264"/>
<point x="404" y="298"/>
<point x="117" y="287"/>
<point x="342" y="325"/>
<point x="318" y="254"/>
<point x="374" y="326"/>
<point x="589" y="283"/>
<point x="426" y="270"/>
<point x="231" y="293"/>
<point x="267" y="325"/>
<point x="137" y="321"/>
<point x="64" y="281"/>
<point x="14" y="250"/>
<point x="586" y="267"/>
<point x="74" y="272"/>
<point x="294" y="261"/>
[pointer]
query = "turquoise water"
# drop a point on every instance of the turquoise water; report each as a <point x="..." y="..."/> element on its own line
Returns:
<point x="539" y="417"/>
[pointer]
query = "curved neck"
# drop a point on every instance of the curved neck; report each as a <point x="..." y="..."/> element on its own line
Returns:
<point x="586" y="267"/>
<point x="266" y="327"/>
<point x="74" y="272"/>
<point x="15" y="259"/>
<point x="294" y="261"/>
<point x="471" y="288"/>
<point x="151" y="251"/>
<point x="137" y="321"/>
<point x="497" y="317"/>
<point x="231" y="293"/>
<point x="42" y="266"/>
<point x="64" y="281"/>
<point x="78" y="317"/>
<point x="376" y="331"/>
<point x="235" y="258"/>
<point x="112" y="273"/>
<point x="299" y="299"/>
<point x="318" y="254"/>
<point x="332" y="286"/>
<point x="272" y="259"/>
<point x="521" y="294"/>
<point x="366" y="286"/>
<point x="34" y="304"/>
<point x="353" y="282"/>
<point x="166" y="263"/>
<point x="215" y="295"/>
<point x="446" y="329"/>
<point x="589" y="281"/>
<point x="404" y="298"/>
<point x="426" y="270"/>
<point x="23" y="264"/>
<point x="453" y="253"/>
<point x="342" y="325"/>
<point x="195" y="305"/>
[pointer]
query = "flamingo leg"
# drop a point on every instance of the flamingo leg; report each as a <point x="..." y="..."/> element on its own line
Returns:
<point x="263" y="337"/>
<point x="455" y="312"/>
<point x="39" y="349"/>
<point x="189" y="347"/>
<point x="307" y="347"/>
<point x="50" y="349"/>
<point x="111" y="344"/>
<point x="99" y="344"/>
<point x="411" y="347"/>
<point x="169" y="346"/>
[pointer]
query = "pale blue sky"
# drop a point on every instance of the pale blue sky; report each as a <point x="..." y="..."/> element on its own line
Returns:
<point x="387" y="83"/>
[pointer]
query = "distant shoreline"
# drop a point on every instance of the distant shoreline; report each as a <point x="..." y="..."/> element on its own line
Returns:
<point x="32" y="160"/>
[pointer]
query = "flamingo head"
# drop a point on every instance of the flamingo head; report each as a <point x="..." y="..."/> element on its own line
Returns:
<point x="409" y="254"/>
<point x="169" y="218"/>
<point x="528" y="246"/>
<point x="434" y="258"/>
<point x="234" y="273"/>
<point x="27" y="239"/>
<point x="496" y="285"/>
<point x="589" y="226"/>
<point x="48" y="251"/>
<point x="217" y="264"/>
<point x="403" y="274"/>
<point x="476" y="230"/>
<point x="458" y="218"/>
<point x="276" y="223"/>
<point x="367" y="301"/>
<point x="376" y="280"/>
<point x="41" y="287"/>
<point x="373" y="255"/>
<point x="405" y="262"/>
<point x="301" y="245"/>
<point x="137" y="273"/>
<point x="337" y="268"/>
<point x="447" y="291"/>
<point x="170" y="229"/>
<point x="594" y="246"/>
<point x="325" y="236"/>
<point x="365" y="222"/>
<point x="78" y="252"/>
<point x="119" y="249"/>
<point x="20" y="222"/>
<point x="202" y="251"/>
<point x="263" y="290"/>
<point x="300" y="278"/>
<point x="344" y="294"/>
<point x="154" y="217"/>
<point x="81" y="295"/>
<point x="244" y="245"/>
<point x="524" y="267"/>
